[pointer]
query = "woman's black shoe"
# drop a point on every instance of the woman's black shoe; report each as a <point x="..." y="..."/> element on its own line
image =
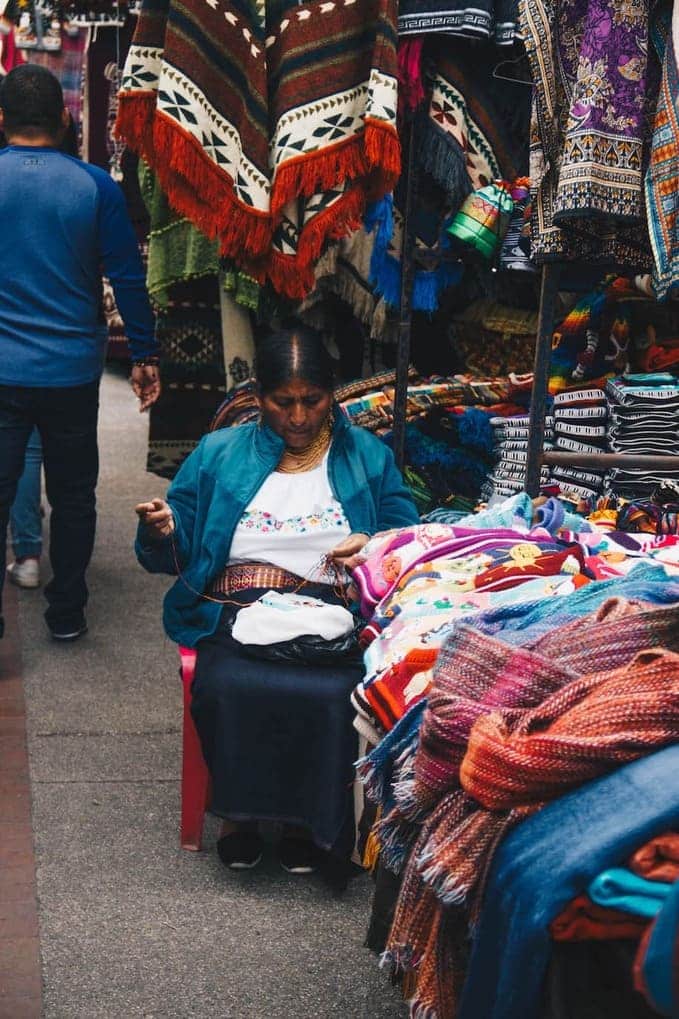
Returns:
<point x="297" y="856"/>
<point x="240" y="850"/>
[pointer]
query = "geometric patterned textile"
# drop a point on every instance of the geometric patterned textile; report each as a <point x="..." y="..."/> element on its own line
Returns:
<point x="596" y="84"/>
<point x="192" y="366"/>
<point x="269" y="125"/>
<point x="662" y="179"/>
<point x="484" y="19"/>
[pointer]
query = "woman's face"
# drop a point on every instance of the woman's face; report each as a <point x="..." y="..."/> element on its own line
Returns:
<point x="296" y="411"/>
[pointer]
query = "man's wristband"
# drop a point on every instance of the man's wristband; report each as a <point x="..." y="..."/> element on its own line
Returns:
<point x="146" y="362"/>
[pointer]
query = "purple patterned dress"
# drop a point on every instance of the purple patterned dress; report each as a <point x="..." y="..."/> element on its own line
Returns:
<point x="596" y="88"/>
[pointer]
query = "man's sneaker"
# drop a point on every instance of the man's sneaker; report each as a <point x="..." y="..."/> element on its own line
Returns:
<point x="69" y="628"/>
<point x="25" y="572"/>
<point x="240" y="850"/>
<point x="297" y="856"/>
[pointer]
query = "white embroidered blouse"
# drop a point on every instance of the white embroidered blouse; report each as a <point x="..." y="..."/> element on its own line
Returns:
<point x="292" y="522"/>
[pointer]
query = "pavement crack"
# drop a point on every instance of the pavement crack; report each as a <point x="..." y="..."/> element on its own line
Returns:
<point x="103" y="781"/>
<point x="87" y="733"/>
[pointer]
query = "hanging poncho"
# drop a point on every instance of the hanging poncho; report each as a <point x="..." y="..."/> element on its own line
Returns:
<point x="268" y="126"/>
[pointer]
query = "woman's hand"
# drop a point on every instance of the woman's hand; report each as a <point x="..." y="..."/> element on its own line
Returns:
<point x="348" y="553"/>
<point x="157" y="516"/>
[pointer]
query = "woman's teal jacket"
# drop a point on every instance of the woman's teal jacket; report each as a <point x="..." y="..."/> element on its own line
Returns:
<point x="218" y="481"/>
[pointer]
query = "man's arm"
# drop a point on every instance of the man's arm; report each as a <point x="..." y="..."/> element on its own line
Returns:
<point x="122" y="264"/>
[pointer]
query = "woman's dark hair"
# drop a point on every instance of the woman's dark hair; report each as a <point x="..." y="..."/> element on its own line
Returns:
<point x="297" y="353"/>
<point x="32" y="101"/>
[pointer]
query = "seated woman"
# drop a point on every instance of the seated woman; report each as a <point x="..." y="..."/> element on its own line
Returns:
<point x="284" y="505"/>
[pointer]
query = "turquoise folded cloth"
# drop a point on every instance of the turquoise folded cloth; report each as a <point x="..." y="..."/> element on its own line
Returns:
<point x="620" y="888"/>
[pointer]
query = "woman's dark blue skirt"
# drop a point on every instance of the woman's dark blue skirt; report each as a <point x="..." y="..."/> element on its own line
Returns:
<point x="278" y="740"/>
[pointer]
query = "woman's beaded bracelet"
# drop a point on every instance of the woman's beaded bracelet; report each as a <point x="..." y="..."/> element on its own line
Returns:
<point x="147" y="362"/>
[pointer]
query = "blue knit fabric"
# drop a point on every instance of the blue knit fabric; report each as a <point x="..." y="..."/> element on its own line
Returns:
<point x="658" y="966"/>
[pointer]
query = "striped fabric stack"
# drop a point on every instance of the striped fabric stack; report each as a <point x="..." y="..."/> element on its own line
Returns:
<point x="644" y="420"/>
<point x="580" y="427"/>
<point x="511" y="448"/>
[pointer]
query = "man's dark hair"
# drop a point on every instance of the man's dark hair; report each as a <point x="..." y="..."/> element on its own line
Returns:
<point x="32" y="101"/>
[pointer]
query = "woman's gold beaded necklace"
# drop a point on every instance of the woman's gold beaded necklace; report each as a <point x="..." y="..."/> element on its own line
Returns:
<point x="297" y="461"/>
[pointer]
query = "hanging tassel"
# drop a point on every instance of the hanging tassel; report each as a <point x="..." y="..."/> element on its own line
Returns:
<point x="410" y="85"/>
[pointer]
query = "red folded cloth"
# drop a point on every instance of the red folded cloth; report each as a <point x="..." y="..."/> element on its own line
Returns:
<point x="583" y="920"/>
<point x="658" y="860"/>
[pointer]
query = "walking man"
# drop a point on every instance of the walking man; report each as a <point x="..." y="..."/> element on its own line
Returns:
<point x="63" y="224"/>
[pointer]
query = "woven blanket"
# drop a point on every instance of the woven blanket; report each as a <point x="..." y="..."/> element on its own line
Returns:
<point x="268" y="126"/>
<point x="662" y="178"/>
<point x="598" y="722"/>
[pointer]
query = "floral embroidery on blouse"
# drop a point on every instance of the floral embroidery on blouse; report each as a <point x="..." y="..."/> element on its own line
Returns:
<point x="266" y="523"/>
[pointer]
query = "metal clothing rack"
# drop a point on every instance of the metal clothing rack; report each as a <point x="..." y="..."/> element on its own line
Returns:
<point x="536" y="455"/>
<point x="405" y="312"/>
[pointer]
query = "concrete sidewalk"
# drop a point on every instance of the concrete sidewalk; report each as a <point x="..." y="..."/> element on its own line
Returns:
<point x="130" y="925"/>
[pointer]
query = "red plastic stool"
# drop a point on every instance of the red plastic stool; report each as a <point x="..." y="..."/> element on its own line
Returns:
<point x="195" y="776"/>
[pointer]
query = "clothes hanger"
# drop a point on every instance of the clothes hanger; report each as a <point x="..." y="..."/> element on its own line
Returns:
<point x="509" y="63"/>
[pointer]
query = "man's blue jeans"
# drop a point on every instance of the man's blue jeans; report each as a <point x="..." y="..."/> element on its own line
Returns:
<point x="66" y="419"/>
<point x="25" y="521"/>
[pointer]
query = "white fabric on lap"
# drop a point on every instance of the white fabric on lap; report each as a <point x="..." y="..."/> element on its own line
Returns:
<point x="276" y="617"/>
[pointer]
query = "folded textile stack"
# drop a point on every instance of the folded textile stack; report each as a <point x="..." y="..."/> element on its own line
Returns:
<point x="511" y="449"/>
<point x="644" y="420"/>
<point x="509" y="726"/>
<point x="374" y="409"/>
<point x="580" y="427"/>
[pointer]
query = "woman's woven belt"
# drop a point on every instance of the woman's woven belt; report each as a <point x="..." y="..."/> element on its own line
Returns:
<point x="248" y="575"/>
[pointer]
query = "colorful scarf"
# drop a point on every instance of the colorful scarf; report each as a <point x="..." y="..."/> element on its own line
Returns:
<point x="268" y="127"/>
<point x="662" y="178"/>
<point x="519" y="760"/>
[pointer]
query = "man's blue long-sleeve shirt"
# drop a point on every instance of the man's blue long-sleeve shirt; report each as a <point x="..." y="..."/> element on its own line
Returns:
<point x="62" y="224"/>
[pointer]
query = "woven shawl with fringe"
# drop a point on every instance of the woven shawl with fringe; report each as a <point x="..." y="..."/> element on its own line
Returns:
<point x="456" y="843"/>
<point x="268" y="126"/>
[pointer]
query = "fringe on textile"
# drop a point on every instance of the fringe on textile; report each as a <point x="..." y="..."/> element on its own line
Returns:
<point x="441" y="156"/>
<point x="377" y="149"/>
<point x="194" y="186"/>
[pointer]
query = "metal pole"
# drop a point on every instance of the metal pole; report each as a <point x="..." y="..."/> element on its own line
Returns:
<point x="407" y="278"/>
<point x="602" y="461"/>
<point x="543" y="351"/>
